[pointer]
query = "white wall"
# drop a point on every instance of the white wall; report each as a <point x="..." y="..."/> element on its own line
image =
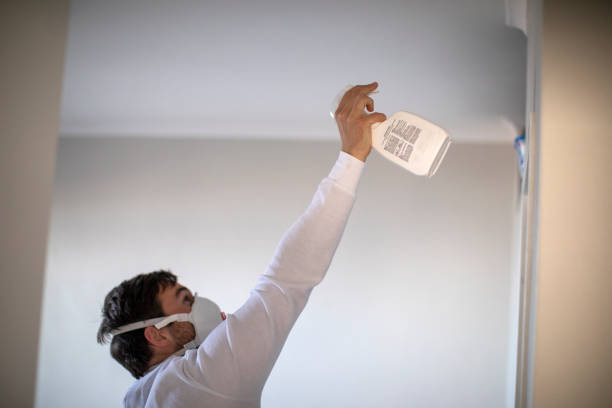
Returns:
<point x="572" y="362"/>
<point x="414" y="310"/>
<point x="270" y="68"/>
<point x="32" y="42"/>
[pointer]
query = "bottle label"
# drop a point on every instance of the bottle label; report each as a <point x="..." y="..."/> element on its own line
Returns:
<point x="399" y="139"/>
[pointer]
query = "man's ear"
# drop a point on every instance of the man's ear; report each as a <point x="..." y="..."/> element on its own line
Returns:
<point x="156" y="337"/>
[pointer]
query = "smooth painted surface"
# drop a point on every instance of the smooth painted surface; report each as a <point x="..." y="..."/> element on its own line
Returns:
<point x="573" y="353"/>
<point x="415" y="309"/>
<point x="270" y="69"/>
<point x="32" y="36"/>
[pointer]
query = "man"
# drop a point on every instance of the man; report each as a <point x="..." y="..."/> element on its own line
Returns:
<point x="184" y="351"/>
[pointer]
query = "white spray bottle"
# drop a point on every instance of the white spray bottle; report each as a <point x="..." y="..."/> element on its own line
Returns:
<point x="407" y="140"/>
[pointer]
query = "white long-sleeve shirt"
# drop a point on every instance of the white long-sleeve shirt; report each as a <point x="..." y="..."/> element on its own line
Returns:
<point x="231" y="366"/>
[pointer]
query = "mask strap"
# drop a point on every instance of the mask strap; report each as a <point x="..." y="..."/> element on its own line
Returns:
<point x="158" y="322"/>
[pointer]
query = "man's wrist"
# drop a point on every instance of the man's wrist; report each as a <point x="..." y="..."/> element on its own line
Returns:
<point x="360" y="155"/>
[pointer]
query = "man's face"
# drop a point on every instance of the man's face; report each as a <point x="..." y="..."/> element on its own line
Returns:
<point x="175" y="299"/>
<point x="178" y="299"/>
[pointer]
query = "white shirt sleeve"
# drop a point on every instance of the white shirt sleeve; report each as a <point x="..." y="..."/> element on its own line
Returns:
<point x="236" y="358"/>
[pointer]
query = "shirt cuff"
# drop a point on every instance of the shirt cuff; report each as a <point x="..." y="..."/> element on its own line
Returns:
<point x="346" y="172"/>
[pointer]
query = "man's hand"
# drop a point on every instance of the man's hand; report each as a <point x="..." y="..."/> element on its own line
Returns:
<point x="354" y="123"/>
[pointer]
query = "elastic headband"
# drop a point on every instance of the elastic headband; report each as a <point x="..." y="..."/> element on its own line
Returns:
<point x="158" y="322"/>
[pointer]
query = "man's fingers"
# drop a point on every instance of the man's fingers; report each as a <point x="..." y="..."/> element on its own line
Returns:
<point x="363" y="89"/>
<point x="370" y="104"/>
<point x="364" y="101"/>
<point x="355" y="123"/>
<point x="366" y="88"/>
<point x="356" y="100"/>
<point x="376" y="117"/>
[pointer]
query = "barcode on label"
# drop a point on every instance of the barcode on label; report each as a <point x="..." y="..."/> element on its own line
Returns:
<point x="400" y="138"/>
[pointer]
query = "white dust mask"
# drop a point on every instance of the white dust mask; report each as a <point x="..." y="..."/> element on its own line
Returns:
<point x="205" y="315"/>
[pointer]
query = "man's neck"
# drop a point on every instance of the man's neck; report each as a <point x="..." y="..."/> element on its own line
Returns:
<point x="158" y="357"/>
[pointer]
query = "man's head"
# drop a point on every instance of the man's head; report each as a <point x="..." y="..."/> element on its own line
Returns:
<point x="144" y="297"/>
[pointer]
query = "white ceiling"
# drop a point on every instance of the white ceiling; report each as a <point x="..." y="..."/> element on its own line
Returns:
<point x="271" y="68"/>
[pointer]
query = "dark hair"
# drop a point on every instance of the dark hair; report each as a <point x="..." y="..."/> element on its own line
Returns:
<point x="133" y="300"/>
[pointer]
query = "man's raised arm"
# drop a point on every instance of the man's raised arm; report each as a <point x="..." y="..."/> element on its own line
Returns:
<point x="237" y="357"/>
